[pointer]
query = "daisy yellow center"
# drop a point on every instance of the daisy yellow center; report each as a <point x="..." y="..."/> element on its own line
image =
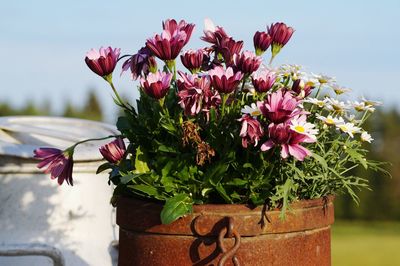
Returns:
<point x="299" y="129"/>
<point x="329" y="121"/>
<point x="343" y="128"/>
<point x="320" y="103"/>
<point x="255" y="113"/>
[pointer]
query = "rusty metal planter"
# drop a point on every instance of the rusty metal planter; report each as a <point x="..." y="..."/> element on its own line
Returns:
<point x="225" y="235"/>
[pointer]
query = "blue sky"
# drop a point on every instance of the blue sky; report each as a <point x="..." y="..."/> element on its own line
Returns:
<point x="43" y="43"/>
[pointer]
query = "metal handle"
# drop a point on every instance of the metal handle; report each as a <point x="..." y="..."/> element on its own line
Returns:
<point x="229" y="232"/>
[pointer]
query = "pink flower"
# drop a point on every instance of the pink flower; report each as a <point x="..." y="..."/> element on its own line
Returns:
<point x="171" y="25"/>
<point x="195" y="94"/>
<point x="193" y="60"/>
<point x="103" y="61"/>
<point x="262" y="41"/>
<point x="289" y="141"/>
<point x="279" y="106"/>
<point x="167" y="46"/>
<point x="140" y="64"/>
<point x="59" y="163"/>
<point x="247" y="62"/>
<point x="114" y="151"/>
<point x="263" y="80"/>
<point x="224" y="81"/>
<point x="156" y="84"/>
<point x="280" y="33"/>
<point x="251" y="131"/>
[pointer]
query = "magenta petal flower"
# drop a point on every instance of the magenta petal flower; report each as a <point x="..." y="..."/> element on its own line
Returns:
<point x="279" y="106"/>
<point x="171" y="25"/>
<point x="263" y="80"/>
<point x="193" y="60"/>
<point x="228" y="47"/>
<point x="167" y="46"/>
<point x="140" y="63"/>
<point x="102" y="61"/>
<point x="195" y="94"/>
<point x="302" y="90"/>
<point x="289" y="141"/>
<point x="114" y="151"/>
<point x="225" y="81"/>
<point x="262" y="41"/>
<point x="251" y="130"/>
<point x="280" y="33"/>
<point x="59" y="163"/>
<point x="156" y="84"/>
<point x="247" y="62"/>
<point x="213" y="34"/>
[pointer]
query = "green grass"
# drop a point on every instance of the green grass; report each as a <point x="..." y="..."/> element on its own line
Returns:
<point x="366" y="243"/>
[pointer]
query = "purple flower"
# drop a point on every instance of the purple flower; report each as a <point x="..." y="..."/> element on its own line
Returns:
<point x="114" y="151"/>
<point x="302" y="90"/>
<point x="247" y="62"/>
<point x="140" y="64"/>
<point x="263" y="80"/>
<point x="59" y="163"/>
<point x="279" y="106"/>
<point x="228" y="47"/>
<point x="251" y="131"/>
<point x="156" y="84"/>
<point x="213" y="34"/>
<point x="289" y="141"/>
<point x="262" y="41"/>
<point x="224" y="81"/>
<point x="103" y="61"/>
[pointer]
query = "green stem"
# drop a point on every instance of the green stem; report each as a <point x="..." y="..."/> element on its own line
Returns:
<point x="224" y="99"/>
<point x="119" y="100"/>
<point x="93" y="139"/>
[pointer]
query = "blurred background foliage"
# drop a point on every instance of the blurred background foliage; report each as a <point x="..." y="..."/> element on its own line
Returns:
<point x="381" y="202"/>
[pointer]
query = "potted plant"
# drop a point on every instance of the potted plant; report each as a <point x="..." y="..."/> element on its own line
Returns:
<point x="231" y="161"/>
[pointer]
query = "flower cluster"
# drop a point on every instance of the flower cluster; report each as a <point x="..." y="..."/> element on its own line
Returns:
<point x="230" y="129"/>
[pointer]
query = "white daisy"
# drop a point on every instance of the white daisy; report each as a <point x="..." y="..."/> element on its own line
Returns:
<point x="366" y="137"/>
<point x="323" y="79"/>
<point x="252" y="110"/>
<point x="370" y="102"/>
<point x="349" y="128"/>
<point x="317" y="102"/>
<point x="289" y="70"/>
<point x="339" y="89"/>
<point x="336" y="105"/>
<point x="309" y="79"/>
<point x="330" y="120"/>
<point x="352" y="119"/>
<point x="303" y="127"/>
<point x="362" y="106"/>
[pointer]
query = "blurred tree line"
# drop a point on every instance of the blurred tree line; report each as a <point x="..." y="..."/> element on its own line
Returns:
<point x="382" y="202"/>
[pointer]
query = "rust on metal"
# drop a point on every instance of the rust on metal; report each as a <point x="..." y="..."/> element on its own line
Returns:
<point x="207" y="236"/>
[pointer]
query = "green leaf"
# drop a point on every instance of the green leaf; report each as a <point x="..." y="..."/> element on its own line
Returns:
<point x="126" y="178"/>
<point x="237" y="182"/>
<point x="140" y="165"/>
<point x="222" y="192"/>
<point x="176" y="207"/>
<point x="149" y="190"/>
<point x="103" y="167"/>
<point x="358" y="157"/>
<point x="320" y="160"/>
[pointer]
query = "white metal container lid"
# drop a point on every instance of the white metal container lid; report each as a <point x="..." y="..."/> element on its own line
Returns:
<point x="20" y="135"/>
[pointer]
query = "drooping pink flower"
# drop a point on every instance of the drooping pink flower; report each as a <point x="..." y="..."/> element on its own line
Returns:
<point x="262" y="41"/>
<point x="140" y="63"/>
<point x="225" y="81"/>
<point x="114" y="151"/>
<point x="247" y="62"/>
<point x="263" y="80"/>
<point x="156" y="84"/>
<point x="193" y="59"/>
<point x="59" y="163"/>
<point x="251" y="131"/>
<point x="171" y="25"/>
<point x="280" y="33"/>
<point x="195" y="94"/>
<point x="279" y="106"/>
<point x="289" y="141"/>
<point x="102" y="61"/>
